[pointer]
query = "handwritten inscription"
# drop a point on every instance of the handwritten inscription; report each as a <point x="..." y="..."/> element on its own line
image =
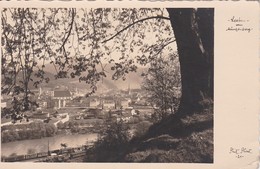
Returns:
<point x="238" y="24"/>
<point x="240" y="152"/>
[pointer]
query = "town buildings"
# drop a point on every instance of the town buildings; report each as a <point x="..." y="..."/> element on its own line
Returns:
<point x="60" y="98"/>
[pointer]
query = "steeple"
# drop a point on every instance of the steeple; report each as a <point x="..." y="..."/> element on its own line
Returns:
<point x="129" y="90"/>
<point x="40" y="93"/>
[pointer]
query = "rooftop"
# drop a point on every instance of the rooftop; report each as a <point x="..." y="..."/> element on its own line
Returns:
<point x="63" y="93"/>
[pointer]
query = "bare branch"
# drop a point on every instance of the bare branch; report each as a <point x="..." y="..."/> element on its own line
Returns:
<point x="164" y="47"/>
<point x="130" y="25"/>
<point x="73" y="14"/>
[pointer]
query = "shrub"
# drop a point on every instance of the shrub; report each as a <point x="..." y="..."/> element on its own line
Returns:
<point x="113" y="143"/>
<point x="141" y="128"/>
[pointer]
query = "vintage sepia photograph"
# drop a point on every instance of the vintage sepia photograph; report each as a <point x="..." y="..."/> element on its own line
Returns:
<point x="82" y="85"/>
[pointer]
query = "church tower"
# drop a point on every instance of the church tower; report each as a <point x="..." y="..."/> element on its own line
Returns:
<point x="129" y="90"/>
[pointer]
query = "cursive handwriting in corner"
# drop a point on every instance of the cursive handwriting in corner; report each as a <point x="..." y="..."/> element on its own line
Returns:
<point x="238" y="24"/>
<point x="237" y="19"/>
<point x="240" y="152"/>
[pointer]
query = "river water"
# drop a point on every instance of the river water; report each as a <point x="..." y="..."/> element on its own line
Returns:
<point x="41" y="145"/>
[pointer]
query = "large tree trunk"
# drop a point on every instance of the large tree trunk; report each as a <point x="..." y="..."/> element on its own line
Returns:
<point x="194" y="33"/>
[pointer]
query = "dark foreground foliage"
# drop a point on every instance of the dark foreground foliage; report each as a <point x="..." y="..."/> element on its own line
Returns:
<point x="187" y="139"/>
<point x="112" y="146"/>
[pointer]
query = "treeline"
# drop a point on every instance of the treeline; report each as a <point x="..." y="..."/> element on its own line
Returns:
<point x="34" y="130"/>
<point x="80" y="127"/>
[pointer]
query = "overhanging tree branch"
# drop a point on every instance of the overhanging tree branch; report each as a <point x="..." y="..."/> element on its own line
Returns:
<point x="73" y="13"/>
<point x="163" y="46"/>
<point x="130" y="25"/>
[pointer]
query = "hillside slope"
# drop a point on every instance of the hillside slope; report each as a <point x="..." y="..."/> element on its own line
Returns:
<point x="187" y="140"/>
<point x="177" y="139"/>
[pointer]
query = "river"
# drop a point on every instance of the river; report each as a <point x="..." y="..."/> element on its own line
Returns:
<point x="41" y="145"/>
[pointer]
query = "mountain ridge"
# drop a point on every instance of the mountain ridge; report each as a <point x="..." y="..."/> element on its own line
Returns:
<point x="133" y="80"/>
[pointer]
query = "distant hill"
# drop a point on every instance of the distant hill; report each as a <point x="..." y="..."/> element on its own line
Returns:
<point x="133" y="80"/>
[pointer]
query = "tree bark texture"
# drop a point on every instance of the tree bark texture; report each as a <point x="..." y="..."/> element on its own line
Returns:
<point x="194" y="33"/>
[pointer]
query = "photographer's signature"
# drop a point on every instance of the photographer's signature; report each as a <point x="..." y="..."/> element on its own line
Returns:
<point x="238" y="24"/>
<point x="240" y="152"/>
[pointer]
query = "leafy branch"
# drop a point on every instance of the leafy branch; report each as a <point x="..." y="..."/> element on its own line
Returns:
<point x="130" y="25"/>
